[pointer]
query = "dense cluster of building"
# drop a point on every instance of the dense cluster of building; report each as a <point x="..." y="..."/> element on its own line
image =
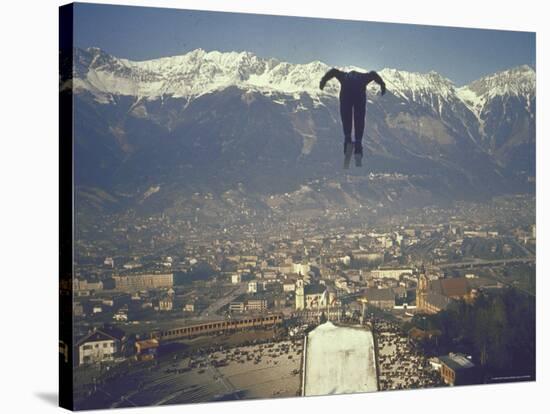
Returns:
<point x="175" y="275"/>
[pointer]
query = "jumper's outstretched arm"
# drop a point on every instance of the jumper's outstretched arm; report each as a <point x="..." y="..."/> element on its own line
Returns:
<point x="373" y="76"/>
<point x="333" y="73"/>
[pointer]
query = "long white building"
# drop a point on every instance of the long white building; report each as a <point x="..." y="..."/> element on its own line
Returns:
<point x="143" y="281"/>
<point x="390" y="272"/>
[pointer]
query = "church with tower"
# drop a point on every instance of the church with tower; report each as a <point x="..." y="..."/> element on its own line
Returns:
<point x="433" y="296"/>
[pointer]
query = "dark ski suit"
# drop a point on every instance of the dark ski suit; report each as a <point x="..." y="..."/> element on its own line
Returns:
<point x="353" y="99"/>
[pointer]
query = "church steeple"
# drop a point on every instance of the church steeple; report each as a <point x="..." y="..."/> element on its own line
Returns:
<point x="422" y="290"/>
<point x="300" y="300"/>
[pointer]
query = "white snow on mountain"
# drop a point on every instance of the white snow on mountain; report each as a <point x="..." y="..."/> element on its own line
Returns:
<point x="412" y="84"/>
<point x="518" y="81"/>
<point x="430" y="88"/>
<point x="200" y="72"/>
<point x="194" y="74"/>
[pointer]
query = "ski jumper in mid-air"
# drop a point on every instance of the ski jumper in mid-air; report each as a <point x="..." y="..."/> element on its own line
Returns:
<point x="353" y="101"/>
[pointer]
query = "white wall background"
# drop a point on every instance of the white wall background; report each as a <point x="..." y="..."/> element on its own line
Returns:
<point x="28" y="209"/>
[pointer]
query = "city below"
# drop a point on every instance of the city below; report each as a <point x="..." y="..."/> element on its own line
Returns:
<point x="171" y="307"/>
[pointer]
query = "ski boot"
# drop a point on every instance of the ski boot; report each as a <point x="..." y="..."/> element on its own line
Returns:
<point x="348" y="151"/>
<point x="358" y="154"/>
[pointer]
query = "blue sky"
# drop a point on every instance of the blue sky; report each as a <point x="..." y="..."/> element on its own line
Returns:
<point x="462" y="55"/>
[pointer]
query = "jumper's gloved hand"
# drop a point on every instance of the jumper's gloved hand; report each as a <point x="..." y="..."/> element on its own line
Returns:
<point x="382" y="89"/>
<point x="321" y="84"/>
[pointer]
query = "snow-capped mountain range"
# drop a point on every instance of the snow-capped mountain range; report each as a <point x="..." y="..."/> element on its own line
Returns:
<point x="519" y="81"/>
<point x="198" y="72"/>
<point x="237" y="108"/>
<point x="192" y="74"/>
